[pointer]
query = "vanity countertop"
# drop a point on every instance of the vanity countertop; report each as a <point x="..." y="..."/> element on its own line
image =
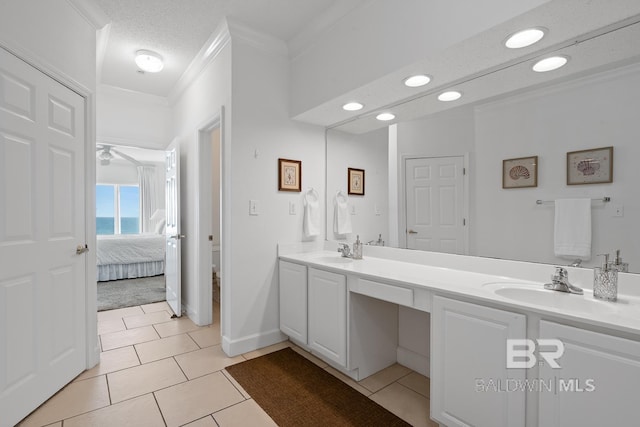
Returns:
<point x="511" y="293"/>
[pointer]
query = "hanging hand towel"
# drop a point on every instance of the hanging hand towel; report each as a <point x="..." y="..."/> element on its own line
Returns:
<point x="311" y="219"/>
<point x="572" y="231"/>
<point x="341" y="217"/>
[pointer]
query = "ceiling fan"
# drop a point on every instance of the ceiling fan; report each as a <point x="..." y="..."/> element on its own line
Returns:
<point x="106" y="154"/>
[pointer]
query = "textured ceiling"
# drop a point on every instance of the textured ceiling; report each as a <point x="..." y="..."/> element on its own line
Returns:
<point x="178" y="29"/>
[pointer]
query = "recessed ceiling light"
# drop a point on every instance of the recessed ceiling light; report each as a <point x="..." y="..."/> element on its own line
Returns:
<point x="451" y="95"/>
<point x="549" y="64"/>
<point x="149" y="61"/>
<point x="352" y="106"/>
<point x="525" y="38"/>
<point x="385" y="117"/>
<point x="417" y="80"/>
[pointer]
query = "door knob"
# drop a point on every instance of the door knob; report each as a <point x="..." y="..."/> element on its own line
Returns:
<point x="178" y="236"/>
<point x="82" y="249"/>
<point x="412" y="232"/>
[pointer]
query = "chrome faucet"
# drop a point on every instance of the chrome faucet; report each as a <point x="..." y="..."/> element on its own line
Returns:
<point x="560" y="282"/>
<point x="345" y="250"/>
<point x="576" y="263"/>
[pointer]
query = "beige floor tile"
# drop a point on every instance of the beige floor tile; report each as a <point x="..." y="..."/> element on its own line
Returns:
<point x="111" y="361"/>
<point x="195" y="399"/>
<point x="76" y="398"/>
<point x="146" y="319"/>
<point x="385" y="377"/>
<point x="203" y="422"/>
<point x="406" y="404"/>
<point x="267" y="350"/>
<point x="309" y="356"/>
<point x="113" y="325"/>
<point x="156" y="306"/>
<point x="140" y="412"/>
<point x="418" y="383"/>
<point x="345" y="379"/>
<point x="165" y="347"/>
<point x="58" y="424"/>
<point x="236" y="384"/>
<point x="144" y="379"/>
<point x="177" y="326"/>
<point x="130" y="337"/>
<point x="205" y="361"/>
<point x="118" y="313"/>
<point x="246" y="413"/>
<point x="207" y="337"/>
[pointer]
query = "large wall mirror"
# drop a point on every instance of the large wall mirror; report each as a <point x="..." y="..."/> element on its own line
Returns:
<point x="461" y="148"/>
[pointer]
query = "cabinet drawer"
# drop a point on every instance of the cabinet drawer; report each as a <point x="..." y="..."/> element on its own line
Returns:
<point x="382" y="291"/>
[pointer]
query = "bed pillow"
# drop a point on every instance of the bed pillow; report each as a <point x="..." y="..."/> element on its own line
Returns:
<point x="160" y="227"/>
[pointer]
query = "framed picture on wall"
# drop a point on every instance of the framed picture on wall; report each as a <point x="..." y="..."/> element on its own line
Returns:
<point x="594" y="166"/>
<point x="355" y="181"/>
<point x="520" y="173"/>
<point x="289" y="175"/>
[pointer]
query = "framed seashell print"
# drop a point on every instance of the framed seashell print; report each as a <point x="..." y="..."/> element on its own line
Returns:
<point x="594" y="166"/>
<point x="520" y="173"/>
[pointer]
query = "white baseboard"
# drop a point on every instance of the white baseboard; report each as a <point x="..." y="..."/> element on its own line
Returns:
<point x="414" y="361"/>
<point x="252" y="342"/>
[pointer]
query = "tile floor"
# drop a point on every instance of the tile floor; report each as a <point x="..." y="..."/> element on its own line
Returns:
<point x="158" y="371"/>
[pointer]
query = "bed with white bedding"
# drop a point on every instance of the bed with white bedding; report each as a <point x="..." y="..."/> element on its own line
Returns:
<point x="128" y="256"/>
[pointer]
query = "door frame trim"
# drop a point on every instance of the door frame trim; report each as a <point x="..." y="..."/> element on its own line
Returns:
<point x="402" y="205"/>
<point x="91" y="287"/>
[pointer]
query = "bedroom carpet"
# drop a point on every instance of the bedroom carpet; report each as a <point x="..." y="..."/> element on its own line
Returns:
<point x="130" y="292"/>
<point x="296" y="392"/>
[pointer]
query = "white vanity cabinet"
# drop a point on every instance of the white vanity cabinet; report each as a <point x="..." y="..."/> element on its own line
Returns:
<point x="327" y="305"/>
<point x="596" y="383"/>
<point x="293" y="301"/>
<point x="468" y="365"/>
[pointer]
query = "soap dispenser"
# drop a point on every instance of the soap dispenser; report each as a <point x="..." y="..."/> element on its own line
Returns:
<point x="357" y="248"/>
<point x="605" y="281"/>
<point x="621" y="267"/>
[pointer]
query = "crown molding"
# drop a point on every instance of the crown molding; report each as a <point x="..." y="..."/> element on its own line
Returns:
<point x="261" y="41"/>
<point x="91" y="12"/>
<point x="218" y="40"/>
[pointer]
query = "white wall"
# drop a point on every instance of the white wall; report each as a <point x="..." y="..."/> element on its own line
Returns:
<point x="215" y="185"/>
<point x="54" y="33"/>
<point x="132" y="118"/>
<point x="261" y="122"/>
<point x="593" y="112"/>
<point x="117" y="172"/>
<point x="380" y="37"/>
<point x="369" y="152"/>
<point x="190" y="113"/>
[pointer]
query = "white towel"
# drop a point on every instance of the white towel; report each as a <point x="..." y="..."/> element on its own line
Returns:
<point x="572" y="229"/>
<point x="311" y="218"/>
<point x="341" y="217"/>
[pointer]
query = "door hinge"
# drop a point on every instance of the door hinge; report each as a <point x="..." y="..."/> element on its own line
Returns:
<point x="464" y="221"/>
<point x="210" y="238"/>
<point x="464" y="171"/>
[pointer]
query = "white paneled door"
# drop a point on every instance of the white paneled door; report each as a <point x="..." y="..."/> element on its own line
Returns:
<point x="173" y="238"/>
<point x="42" y="238"/>
<point x="435" y="204"/>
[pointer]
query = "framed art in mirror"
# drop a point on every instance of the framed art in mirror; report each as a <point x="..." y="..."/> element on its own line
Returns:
<point x="355" y="181"/>
<point x="593" y="166"/>
<point x="520" y="173"/>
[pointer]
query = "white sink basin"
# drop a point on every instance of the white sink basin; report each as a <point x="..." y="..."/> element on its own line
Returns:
<point x="532" y="294"/>
<point x="334" y="259"/>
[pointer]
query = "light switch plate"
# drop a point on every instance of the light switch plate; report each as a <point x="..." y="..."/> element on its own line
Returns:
<point x="254" y="207"/>
<point x="618" y="211"/>
<point x="293" y="210"/>
<point x="352" y="209"/>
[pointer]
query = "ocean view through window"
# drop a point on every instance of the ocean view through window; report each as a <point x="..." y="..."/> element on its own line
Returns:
<point x="117" y="209"/>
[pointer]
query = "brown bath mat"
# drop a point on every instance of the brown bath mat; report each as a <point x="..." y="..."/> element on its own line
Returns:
<point x="295" y="392"/>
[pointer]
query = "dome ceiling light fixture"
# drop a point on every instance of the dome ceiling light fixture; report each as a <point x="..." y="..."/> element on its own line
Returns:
<point x="550" y="63"/>
<point x="417" y="80"/>
<point x="149" y="61"/>
<point x="525" y="38"/>
<point x="385" y="117"/>
<point x="451" y="95"/>
<point x="352" y="106"/>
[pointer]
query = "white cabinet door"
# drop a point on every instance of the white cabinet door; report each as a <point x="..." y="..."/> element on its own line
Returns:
<point x="328" y="315"/>
<point x="293" y="301"/>
<point x="596" y="383"/>
<point x="468" y="365"/>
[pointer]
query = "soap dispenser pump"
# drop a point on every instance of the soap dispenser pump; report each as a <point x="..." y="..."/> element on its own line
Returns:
<point x="605" y="281"/>
<point x="357" y="248"/>
<point x="622" y="267"/>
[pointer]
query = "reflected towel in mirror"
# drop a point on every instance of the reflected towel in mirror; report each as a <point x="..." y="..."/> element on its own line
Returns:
<point x="572" y="228"/>
<point x="341" y="217"/>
